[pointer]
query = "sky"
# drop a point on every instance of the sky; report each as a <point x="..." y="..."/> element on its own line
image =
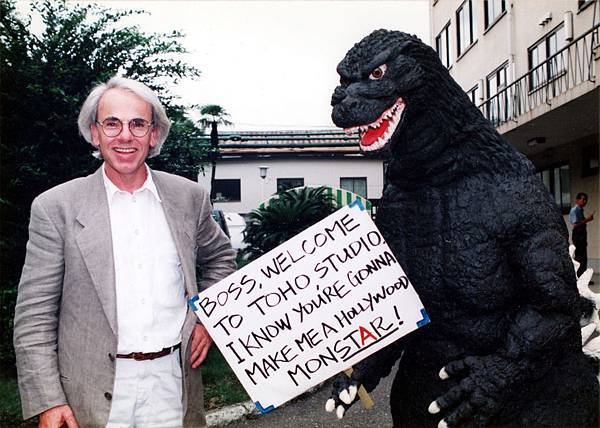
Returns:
<point x="271" y="64"/>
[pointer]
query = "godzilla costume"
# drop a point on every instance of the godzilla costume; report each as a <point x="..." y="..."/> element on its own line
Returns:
<point x="482" y="242"/>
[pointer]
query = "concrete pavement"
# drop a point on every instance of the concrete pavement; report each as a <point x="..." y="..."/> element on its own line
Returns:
<point x="308" y="411"/>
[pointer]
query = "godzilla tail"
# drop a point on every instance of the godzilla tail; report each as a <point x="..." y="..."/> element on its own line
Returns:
<point x="589" y="306"/>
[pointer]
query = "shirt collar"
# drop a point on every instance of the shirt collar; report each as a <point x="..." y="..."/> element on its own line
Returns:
<point x="112" y="190"/>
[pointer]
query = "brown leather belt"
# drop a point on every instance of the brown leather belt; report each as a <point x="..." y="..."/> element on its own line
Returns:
<point x="142" y="356"/>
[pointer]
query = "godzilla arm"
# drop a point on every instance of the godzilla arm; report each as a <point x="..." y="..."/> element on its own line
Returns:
<point x="544" y="322"/>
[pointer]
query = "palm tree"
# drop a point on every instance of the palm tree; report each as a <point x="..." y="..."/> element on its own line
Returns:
<point x="287" y="215"/>
<point x="213" y="115"/>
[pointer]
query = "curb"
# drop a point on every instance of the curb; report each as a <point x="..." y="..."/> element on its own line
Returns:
<point x="228" y="414"/>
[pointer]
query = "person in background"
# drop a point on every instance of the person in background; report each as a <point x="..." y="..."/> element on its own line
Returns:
<point x="103" y="334"/>
<point x="579" y="234"/>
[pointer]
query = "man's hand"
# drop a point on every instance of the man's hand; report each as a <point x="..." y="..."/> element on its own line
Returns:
<point x="58" y="416"/>
<point x="590" y="217"/>
<point x="201" y="342"/>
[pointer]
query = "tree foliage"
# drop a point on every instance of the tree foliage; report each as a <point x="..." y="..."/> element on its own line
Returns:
<point x="288" y="214"/>
<point x="44" y="79"/>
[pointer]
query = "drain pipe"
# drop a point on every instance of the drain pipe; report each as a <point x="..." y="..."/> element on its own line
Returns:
<point x="511" y="54"/>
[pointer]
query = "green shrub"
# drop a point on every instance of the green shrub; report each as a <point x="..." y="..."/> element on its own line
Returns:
<point x="287" y="214"/>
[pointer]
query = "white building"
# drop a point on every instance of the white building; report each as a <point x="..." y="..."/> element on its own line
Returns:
<point x="289" y="159"/>
<point x="532" y="68"/>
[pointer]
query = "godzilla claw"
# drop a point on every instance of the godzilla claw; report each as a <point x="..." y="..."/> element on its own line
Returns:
<point x="443" y="374"/>
<point x="348" y="395"/>
<point x="434" y="408"/>
<point x="479" y="394"/>
<point x="343" y="395"/>
<point x="330" y="405"/>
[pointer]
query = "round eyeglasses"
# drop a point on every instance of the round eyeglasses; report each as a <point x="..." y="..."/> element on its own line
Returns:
<point x="111" y="127"/>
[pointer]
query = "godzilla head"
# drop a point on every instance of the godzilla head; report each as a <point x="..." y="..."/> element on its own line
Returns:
<point x="380" y="81"/>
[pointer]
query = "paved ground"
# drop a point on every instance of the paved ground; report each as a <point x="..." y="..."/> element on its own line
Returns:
<point x="309" y="412"/>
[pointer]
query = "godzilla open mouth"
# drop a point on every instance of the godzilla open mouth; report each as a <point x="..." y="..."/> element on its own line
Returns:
<point x="375" y="135"/>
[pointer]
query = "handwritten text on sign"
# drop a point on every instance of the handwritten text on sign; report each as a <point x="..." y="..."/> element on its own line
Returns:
<point x="310" y="308"/>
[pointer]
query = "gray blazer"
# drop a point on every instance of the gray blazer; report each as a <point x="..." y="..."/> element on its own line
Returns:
<point x="65" y="331"/>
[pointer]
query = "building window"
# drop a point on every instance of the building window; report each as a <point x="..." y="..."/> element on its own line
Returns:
<point x="442" y="46"/>
<point x="475" y="95"/>
<point x="464" y="27"/>
<point x="497" y="105"/>
<point x="591" y="160"/>
<point x="356" y="185"/>
<point x="227" y="190"/>
<point x="542" y="65"/>
<point x="558" y="181"/>
<point x="492" y="10"/>
<point x="284" y="184"/>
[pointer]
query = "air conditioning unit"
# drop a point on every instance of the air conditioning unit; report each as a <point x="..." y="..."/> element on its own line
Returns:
<point x="568" y="18"/>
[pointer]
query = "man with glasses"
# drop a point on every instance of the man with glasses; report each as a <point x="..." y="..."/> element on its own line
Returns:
<point x="579" y="234"/>
<point x="103" y="334"/>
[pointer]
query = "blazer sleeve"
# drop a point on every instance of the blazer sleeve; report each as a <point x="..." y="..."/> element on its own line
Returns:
<point x="214" y="252"/>
<point x="36" y="316"/>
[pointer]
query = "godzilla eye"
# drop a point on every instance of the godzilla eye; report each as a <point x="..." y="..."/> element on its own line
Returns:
<point x="378" y="72"/>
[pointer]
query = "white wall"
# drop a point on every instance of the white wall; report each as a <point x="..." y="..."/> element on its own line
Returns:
<point x="326" y="172"/>
<point x="508" y="39"/>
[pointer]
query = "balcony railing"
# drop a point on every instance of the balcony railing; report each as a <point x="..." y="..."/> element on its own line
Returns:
<point x="569" y="67"/>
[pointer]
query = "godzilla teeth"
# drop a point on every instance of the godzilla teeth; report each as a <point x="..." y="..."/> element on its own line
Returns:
<point x="396" y="113"/>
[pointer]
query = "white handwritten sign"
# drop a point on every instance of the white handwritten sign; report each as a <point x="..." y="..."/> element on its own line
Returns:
<point x="310" y="308"/>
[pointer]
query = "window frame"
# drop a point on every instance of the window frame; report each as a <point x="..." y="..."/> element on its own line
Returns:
<point x="500" y="116"/>
<point x="459" y="49"/>
<point x="565" y="202"/>
<point x="590" y="160"/>
<point x="490" y="21"/>
<point x="474" y="96"/>
<point x="551" y="73"/>
<point x="445" y="31"/>
<point x="237" y="192"/>
<point x="282" y="179"/>
<point x="582" y="4"/>
<point x="353" y="190"/>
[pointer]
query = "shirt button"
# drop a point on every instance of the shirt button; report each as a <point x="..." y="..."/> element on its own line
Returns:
<point x="139" y="266"/>
<point x="145" y="338"/>
<point x="143" y="301"/>
<point x="133" y="199"/>
<point x="108" y="396"/>
<point x="136" y="232"/>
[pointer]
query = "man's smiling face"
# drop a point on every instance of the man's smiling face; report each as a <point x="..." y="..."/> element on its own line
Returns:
<point x="124" y="155"/>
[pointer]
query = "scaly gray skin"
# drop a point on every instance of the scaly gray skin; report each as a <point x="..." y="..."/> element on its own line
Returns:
<point x="483" y="244"/>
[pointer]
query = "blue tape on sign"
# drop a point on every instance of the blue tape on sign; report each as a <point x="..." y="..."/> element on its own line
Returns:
<point x="358" y="203"/>
<point x="192" y="302"/>
<point x="425" y="319"/>
<point x="262" y="409"/>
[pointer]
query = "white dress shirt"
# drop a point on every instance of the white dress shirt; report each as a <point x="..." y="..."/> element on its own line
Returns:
<point x="151" y="303"/>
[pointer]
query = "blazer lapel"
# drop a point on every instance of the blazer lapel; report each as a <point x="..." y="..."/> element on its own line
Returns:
<point x="95" y="243"/>
<point x="177" y="220"/>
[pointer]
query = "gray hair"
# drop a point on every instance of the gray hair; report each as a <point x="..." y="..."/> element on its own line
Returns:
<point x="89" y="109"/>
